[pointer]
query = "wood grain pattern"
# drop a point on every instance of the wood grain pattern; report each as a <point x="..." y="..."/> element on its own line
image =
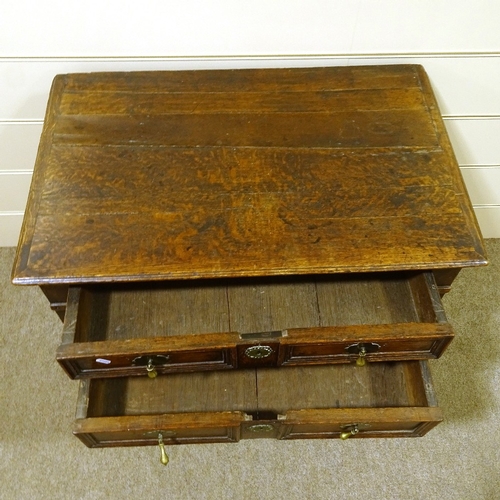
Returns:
<point x="147" y="103"/>
<point x="365" y="299"/>
<point x="375" y="422"/>
<point x="179" y="393"/>
<point x="253" y="80"/>
<point x="182" y="175"/>
<point x="386" y="400"/>
<point x="155" y="311"/>
<point x="268" y="305"/>
<point x="209" y="325"/>
<point x="382" y="385"/>
<point x="376" y="129"/>
<point x="208" y="427"/>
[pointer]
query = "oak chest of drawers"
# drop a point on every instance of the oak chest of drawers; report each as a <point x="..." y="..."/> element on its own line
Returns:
<point x="248" y="253"/>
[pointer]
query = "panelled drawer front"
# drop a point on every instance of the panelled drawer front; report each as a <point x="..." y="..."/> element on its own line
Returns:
<point x="81" y="361"/>
<point x="145" y="430"/>
<point x="319" y="424"/>
<point x="382" y="343"/>
<point x="361" y="423"/>
<point x="292" y="321"/>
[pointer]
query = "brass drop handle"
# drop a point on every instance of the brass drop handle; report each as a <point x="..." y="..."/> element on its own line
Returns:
<point x="361" y="361"/>
<point x="349" y="431"/>
<point x="152" y="373"/>
<point x="362" y="349"/>
<point x="164" y="457"/>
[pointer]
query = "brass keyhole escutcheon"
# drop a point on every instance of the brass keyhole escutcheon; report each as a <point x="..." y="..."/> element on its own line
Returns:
<point x="163" y="454"/>
<point x="261" y="428"/>
<point x="349" y="431"/>
<point x="258" y="352"/>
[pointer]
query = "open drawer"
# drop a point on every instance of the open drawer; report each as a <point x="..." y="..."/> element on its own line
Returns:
<point x="391" y="399"/>
<point x="155" y="328"/>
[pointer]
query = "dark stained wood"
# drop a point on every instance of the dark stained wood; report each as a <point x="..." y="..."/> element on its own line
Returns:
<point x="195" y="214"/>
<point x="444" y="279"/>
<point x="184" y="175"/>
<point x="375" y="422"/>
<point x="209" y="325"/>
<point x="144" y="103"/>
<point x="283" y="130"/>
<point x="252" y="80"/>
<point x="399" y="397"/>
<point x="384" y="399"/>
<point x="397" y="342"/>
<point x="57" y="296"/>
<point x="426" y="298"/>
<point x="258" y="306"/>
<point x="187" y="428"/>
<point x="197" y="407"/>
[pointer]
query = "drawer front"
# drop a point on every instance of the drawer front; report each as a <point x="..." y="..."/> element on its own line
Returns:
<point x="212" y="428"/>
<point x="360" y="423"/>
<point x="395" y="342"/>
<point x="315" y="346"/>
<point x="145" y="430"/>
<point x="89" y="360"/>
<point x="386" y="400"/>
<point x="131" y="332"/>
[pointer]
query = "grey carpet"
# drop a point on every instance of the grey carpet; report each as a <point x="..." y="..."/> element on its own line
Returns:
<point x="459" y="459"/>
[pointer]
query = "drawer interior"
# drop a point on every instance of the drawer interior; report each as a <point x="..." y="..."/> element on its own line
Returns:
<point x="122" y="312"/>
<point x="384" y="400"/>
<point x="116" y="330"/>
<point x="269" y="391"/>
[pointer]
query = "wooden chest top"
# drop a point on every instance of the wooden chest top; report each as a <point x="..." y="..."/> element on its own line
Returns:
<point x="190" y="174"/>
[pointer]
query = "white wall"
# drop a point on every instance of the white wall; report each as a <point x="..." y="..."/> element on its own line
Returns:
<point x="457" y="42"/>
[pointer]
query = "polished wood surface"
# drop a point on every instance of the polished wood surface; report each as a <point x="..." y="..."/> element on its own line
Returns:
<point x="190" y="174"/>
<point x="183" y="214"/>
